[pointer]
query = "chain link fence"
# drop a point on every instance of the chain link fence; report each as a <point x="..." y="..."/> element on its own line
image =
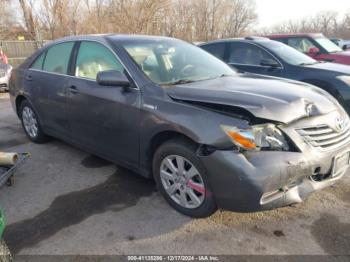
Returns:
<point x="18" y="51"/>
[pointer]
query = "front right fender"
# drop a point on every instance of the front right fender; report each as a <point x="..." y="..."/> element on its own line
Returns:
<point x="202" y="126"/>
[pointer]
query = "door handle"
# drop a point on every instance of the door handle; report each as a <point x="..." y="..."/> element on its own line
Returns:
<point x="29" y="78"/>
<point x="73" y="90"/>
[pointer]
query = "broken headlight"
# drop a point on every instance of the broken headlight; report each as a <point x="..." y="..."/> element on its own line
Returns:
<point x="260" y="137"/>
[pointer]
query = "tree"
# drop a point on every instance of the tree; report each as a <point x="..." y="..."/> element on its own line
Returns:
<point x="31" y="24"/>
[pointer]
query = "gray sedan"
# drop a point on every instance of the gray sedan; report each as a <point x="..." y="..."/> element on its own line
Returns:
<point x="210" y="137"/>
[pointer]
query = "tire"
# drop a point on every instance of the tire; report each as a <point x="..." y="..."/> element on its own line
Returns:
<point x="5" y="254"/>
<point x="30" y="123"/>
<point x="191" y="197"/>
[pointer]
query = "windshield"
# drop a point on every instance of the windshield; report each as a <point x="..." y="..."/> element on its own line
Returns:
<point x="169" y="62"/>
<point x="288" y="54"/>
<point x="328" y="45"/>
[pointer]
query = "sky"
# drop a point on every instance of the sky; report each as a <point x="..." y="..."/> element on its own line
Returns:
<point x="272" y="12"/>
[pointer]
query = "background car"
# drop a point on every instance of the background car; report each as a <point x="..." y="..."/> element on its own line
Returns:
<point x="263" y="56"/>
<point x="316" y="46"/>
<point x="5" y="74"/>
<point x="343" y="44"/>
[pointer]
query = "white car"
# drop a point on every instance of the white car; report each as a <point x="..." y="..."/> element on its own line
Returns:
<point x="5" y="74"/>
<point x="343" y="44"/>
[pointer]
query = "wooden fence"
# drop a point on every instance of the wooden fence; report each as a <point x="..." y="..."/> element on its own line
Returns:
<point x="18" y="51"/>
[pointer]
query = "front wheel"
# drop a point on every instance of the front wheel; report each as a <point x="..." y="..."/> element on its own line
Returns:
<point x="5" y="254"/>
<point x="181" y="179"/>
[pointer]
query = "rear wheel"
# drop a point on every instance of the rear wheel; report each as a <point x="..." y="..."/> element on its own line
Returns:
<point x="5" y="254"/>
<point x="31" y="123"/>
<point x="181" y="179"/>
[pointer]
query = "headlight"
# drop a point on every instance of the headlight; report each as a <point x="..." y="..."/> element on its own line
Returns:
<point x="260" y="137"/>
<point x="345" y="79"/>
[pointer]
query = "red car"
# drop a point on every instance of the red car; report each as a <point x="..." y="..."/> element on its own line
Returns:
<point x="315" y="45"/>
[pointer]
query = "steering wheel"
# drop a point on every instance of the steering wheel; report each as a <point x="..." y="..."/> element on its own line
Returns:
<point x="186" y="70"/>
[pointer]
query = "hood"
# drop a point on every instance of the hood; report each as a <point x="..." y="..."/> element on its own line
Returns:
<point x="337" y="68"/>
<point x="341" y="57"/>
<point x="265" y="97"/>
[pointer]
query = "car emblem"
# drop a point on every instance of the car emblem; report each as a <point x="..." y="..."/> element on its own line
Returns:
<point x="309" y="109"/>
<point x="340" y="124"/>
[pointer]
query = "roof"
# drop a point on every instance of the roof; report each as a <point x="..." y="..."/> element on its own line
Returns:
<point x="117" y="37"/>
<point x="245" y="39"/>
<point x="106" y="37"/>
<point x="311" y="35"/>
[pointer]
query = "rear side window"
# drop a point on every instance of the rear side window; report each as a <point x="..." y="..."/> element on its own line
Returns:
<point x="94" y="58"/>
<point x="282" y="40"/>
<point x="217" y="50"/>
<point x="38" y="64"/>
<point x="57" y="58"/>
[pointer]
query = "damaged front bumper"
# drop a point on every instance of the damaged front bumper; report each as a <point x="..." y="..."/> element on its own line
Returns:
<point x="255" y="181"/>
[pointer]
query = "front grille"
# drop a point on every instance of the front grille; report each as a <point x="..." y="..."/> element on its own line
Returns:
<point x="2" y="73"/>
<point x="325" y="137"/>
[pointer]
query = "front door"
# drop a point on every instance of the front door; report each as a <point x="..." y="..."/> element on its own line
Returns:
<point x="105" y="119"/>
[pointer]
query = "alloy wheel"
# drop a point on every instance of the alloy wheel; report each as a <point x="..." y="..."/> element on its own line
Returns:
<point x="30" y="122"/>
<point x="182" y="181"/>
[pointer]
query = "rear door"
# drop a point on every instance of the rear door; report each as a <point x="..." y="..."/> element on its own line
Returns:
<point x="251" y="58"/>
<point x="47" y="79"/>
<point x="104" y="119"/>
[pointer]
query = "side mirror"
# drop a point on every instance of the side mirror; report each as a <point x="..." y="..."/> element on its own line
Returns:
<point x="313" y="51"/>
<point x="112" y="78"/>
<point x="269" y="62"/>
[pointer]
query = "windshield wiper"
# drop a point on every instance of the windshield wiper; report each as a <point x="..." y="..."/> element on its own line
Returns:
<point x="180" y="82"/>
<point x="187" y="81"/>
<point x="305" y="64"/>
<point x="225" y="75"/>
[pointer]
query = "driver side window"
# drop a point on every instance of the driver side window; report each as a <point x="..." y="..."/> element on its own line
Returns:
<point x="247" y="54"/>
<point x="301" y="44"/>
<point x="94" y="58"/>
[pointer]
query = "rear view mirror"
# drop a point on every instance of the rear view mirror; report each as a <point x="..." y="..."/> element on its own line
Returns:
<point x="112" y="78"/>
<point x="313" y="51"/>
<point x="269" y="62"/>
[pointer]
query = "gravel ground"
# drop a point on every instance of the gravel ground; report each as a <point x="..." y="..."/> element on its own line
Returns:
<point x="66" y="201"/>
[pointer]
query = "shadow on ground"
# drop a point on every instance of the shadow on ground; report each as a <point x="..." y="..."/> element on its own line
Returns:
<point x="120" y="191"/>
<point x="333" y="237"/>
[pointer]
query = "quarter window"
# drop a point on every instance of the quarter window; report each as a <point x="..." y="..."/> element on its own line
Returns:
<point x="57" y="58"/>
<point x="217" y="50"/>
<point x="38" y="64"/>
<point x="94" y="58"/>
